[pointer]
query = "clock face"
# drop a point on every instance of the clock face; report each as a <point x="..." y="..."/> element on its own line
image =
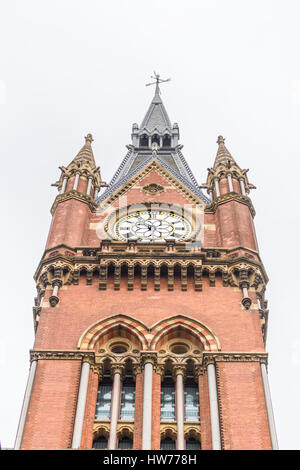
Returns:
<point x="152" y="225"/>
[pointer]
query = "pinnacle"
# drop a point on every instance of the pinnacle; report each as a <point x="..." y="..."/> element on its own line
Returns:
<point x="86" y="152"/>
<point x="156" y="116"/>
<point x="223" y="155"/>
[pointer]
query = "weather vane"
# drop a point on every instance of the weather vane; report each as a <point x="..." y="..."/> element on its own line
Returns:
<point x="157" y="79"/>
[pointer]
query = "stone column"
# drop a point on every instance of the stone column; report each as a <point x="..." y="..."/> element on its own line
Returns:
<point x="81" y="401"/>
<point x="76" y="181"/>
<point x="179" y="374"/>
<point x="117" y="371"/>
<point x="214" y="408"/>
<point x="148" y="361"/>
<point x="25" y="406"/>
<point x="89" y="186"/>
<point x="244" y="285"/>
<point x="217" y="187"/>
<point x="96" y="193"/>
<point x="53" y="299"/>
<point x="271" y="420"/>
<point x="64" y="184"/>
<point x="242" y="185"/>
<point x="229" y="179"/>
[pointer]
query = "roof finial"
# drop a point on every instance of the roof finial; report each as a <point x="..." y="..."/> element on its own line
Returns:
<point x="89" y="138"/>
<point x="220" y="140"/>
<point x="158" y="80"/>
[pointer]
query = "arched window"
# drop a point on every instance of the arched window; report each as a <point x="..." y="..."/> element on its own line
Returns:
<point x="100" y="443"/>
<point x="192" y="444"/>
<point x="144" y="141"/>
<point x="127" y="399"/>
<point x="155" y="139"/>
<point x="167" y="402"/>
<point x="191" y="401"/>
<point x="167" y="444"/>
<point x="167" y="141"/>
<point x="125" y="443"/>
<point x="104" y="396"/>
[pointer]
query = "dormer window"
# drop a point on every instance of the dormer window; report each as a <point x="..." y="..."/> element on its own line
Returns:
<point x="167" y="141"/>
<point x="155" y="139"/>
<point x="144" y="141"/>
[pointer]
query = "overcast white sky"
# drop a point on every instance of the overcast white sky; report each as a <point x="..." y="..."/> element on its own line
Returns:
<point x="70" y="67"/>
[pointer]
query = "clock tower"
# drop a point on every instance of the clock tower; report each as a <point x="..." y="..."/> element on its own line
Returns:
<point x="150" y="317"/>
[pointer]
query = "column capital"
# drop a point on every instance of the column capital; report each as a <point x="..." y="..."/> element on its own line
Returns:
<point x="57" y="282"/>
<point x="136" y="369"/>
<point x="199" y="370"/>
<point x="97" y="369"/>
<point x="178" y="369"/>
<point x="117" y="368"/>
<point x="148" y="357"/>
<point x="160" y="370"/>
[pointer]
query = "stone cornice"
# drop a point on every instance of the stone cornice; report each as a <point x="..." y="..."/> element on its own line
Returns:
<point x="74" y="264"/>
<point x="228" y="198"/>
<point x="149" y="356"/>
<point x="215" y="357"/>
<point x="73" y="194"/>
<point x="52" y="354"/>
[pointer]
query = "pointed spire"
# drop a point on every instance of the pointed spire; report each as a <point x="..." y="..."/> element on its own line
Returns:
<point x="223" y="155"/>
<point x="86" y="152"/>
<point x="156" y="116"/>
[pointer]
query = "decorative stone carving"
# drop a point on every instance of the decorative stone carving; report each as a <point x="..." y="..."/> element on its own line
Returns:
<point x="153" y="189"/>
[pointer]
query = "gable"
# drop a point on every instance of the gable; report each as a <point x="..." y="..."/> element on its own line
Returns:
<point x="169" y="188"/>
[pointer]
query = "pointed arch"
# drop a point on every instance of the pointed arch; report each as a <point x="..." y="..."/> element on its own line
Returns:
<point x="166" y="328"/>
<point x="110" y="326"/>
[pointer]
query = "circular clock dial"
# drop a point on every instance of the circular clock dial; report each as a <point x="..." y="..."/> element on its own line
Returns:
<point x="152" y="226"/>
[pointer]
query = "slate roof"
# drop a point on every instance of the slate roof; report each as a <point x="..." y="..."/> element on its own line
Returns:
<point x="156" y="116"/>
<point x="171" y="159"/>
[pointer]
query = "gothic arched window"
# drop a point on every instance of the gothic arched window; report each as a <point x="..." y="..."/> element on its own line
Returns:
<point x="166" y="141"/>
<point x="125" y="443"/>
<point x="104" y="397"/>
<point x="144" y="141"/>
<point x="155" y="139"/>
<point x="167" y="444"/>
<point x="127" y="399"/>
<point x="192" y="444"/>
<point x="191" y="401"/>
<point x="100" y="443"/>
<point x="167" y="410"/>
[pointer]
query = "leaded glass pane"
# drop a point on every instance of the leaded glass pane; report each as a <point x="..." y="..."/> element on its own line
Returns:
<point x="100" y="443"/>
<point x="192" y="444"/>
<point x="125" y="443"/>
<point x="167" y="444"/>
<point x="127" y="402"/>
<point x="191" y="403"/>
<point x="167" y="411"/>
<point x="103" y="401"/>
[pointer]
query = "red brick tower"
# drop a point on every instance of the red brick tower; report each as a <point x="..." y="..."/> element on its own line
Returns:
<point x="150" y="316"/>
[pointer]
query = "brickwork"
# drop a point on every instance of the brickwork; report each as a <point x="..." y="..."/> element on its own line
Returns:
<point x="51" y="414"/>
<point x="156" y="390"/>
<point x="138" y="414"/>
<point x="217" y="307"/>
<point x="87" y="431"/>
<point x="150" y="313"/>
<point x="243" y="415"/>
<point x="204" y="412"/>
